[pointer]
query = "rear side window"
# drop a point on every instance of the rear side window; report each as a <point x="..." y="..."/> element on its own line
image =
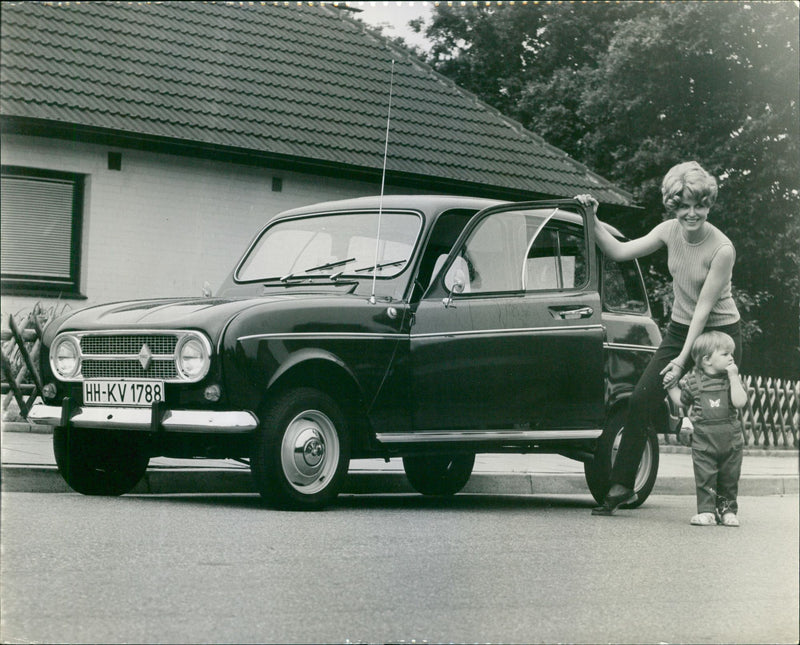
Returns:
<point x="622" y="287"/>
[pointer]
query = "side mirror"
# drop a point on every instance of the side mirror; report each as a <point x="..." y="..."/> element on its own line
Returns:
<point x="456" y="278"/>
<point x="455" y="281"/>
<point x="207" y="293"/>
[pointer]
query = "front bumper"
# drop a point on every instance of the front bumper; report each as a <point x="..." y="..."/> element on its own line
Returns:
<point x="155" y="419"/>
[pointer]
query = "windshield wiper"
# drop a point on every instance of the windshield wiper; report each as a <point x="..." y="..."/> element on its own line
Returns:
<point x="380" y="266"/>
<point x="295" y="279"/>
<point x="329" y="265"/>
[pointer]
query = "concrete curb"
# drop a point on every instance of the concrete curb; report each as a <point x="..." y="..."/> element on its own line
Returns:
<point x="169" y="481"/>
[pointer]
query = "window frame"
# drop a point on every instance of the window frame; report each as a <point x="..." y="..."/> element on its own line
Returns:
<point x="31" y="284"/>
<point x="557" y="224"/>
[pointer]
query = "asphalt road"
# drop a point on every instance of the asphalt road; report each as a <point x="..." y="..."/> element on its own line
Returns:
<point x="400" y="569"/>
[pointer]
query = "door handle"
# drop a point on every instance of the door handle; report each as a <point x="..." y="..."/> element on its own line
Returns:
<point x="571" y="313"/>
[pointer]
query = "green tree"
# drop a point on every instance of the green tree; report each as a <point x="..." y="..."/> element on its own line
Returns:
<point x="630" y="89"/>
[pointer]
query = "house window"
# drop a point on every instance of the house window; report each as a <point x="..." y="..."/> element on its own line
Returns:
<point x="41" y="241"/>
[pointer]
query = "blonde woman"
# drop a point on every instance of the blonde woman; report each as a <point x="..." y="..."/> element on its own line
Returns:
<point x="700" y="260"/>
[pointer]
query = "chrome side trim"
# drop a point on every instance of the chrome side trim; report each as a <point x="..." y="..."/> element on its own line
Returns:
<point x="630" y="348"/>
<point x="510" y="332"/>
<point x="400" y="335"/>
<point x="344" y="335"/>
<point x="485" y="435"/>
<point x="214" y="421"/>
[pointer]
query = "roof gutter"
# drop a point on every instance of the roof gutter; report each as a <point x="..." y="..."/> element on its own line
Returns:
<point x="35" y="127"/>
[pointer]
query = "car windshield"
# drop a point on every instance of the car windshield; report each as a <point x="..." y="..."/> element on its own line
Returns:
<point x="332" y="246"/>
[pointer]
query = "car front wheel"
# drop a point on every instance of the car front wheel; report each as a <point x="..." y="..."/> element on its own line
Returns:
<point x="98" y="463"/>
<point x="301" y="452"/>
<point x="598" y="470"/>
<point x="438" y="474"/>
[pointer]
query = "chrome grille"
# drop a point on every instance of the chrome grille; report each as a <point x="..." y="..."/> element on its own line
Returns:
<point x="130" y="354"/>
<point x="128" y="344"/>
<point x="158" y="369"/>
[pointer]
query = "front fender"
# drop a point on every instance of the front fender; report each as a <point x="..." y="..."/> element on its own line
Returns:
<point x="307" y="356"/>
<point x="264" y="345"/>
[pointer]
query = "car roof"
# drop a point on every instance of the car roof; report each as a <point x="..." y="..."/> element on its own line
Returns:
<point x="424" y="203"/>
<point x="428" y="204"/>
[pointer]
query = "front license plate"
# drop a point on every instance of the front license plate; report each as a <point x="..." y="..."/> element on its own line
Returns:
<point x="138" y="393"/>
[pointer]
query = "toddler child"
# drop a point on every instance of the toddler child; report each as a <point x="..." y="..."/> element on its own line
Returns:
<point x="713" y="393"/>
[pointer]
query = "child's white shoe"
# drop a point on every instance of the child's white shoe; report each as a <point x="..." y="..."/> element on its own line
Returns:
<point x="704" y="519"/>
<point x="730" y="519"/>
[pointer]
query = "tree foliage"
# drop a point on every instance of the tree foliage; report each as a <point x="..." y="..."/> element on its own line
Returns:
<point x="630" y="89"/>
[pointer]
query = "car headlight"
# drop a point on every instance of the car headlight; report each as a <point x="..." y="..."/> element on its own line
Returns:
<point x="193" y="358"/>
<point x="65" y="357"/>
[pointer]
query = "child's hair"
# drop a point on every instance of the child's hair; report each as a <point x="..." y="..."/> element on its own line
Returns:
<point x="688" y="176"/>
<point x="710" y="341"/>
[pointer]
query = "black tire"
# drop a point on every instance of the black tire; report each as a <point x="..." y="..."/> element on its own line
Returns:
<point x="598" y="470"/>
<point x="99" y="463"/>
<point x="438" y="474"/>
<point x="301" y="452"/>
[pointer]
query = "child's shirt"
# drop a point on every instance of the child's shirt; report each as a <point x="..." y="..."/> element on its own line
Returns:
<point x="708" y="398"/>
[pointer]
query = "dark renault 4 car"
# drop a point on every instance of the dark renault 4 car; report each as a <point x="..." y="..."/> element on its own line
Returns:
<point x="429" y="328"/>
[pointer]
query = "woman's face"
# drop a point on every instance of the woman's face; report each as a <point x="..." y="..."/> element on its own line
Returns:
<point x="690" y="213"/>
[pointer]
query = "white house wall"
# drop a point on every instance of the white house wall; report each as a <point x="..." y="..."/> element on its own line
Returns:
<point x="164" y="224"/>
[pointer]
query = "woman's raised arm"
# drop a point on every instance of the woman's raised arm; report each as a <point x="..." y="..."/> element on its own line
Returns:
<point x="618" y="250"/>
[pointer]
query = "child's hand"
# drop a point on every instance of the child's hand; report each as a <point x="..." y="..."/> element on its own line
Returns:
<point x="672" y="374"/>
<point x="733" y="370"/>
<point x="686" y="431"/>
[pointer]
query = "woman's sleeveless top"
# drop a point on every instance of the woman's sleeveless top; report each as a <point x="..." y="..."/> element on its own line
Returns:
<point x="689" y="265"/>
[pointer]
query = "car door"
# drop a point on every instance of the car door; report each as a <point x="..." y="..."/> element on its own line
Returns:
<point x="509" y="337"/>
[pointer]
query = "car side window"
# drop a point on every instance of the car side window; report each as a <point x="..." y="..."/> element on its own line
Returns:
<point x="622" y="288"/>
<point x="493" y="254"/>
<point x="444" y="234"/>
<point x="521" y="250"/>
<point x="556" y="260"/>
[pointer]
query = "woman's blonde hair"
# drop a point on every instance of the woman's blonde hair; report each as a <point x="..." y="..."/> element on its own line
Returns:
<point x="690" y="176"/>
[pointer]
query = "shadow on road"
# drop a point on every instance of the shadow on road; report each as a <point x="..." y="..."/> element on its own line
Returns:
<point x="404" y="501"/>
<point x="467" y="501"/>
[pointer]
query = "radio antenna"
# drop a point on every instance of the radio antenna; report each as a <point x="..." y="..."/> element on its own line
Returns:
<point x="383" y="181"/>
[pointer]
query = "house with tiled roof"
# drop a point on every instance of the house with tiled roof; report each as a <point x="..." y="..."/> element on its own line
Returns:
<point x="144" y="144"/>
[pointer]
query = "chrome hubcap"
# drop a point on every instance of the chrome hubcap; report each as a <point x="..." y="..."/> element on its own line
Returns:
<point x="310" y="451"/>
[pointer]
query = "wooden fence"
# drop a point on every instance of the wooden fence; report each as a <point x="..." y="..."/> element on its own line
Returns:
<point x="771" y="417"/>
<point x="21" y="344"/>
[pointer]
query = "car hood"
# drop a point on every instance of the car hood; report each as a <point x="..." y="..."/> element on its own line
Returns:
<point x="206" y="314"/>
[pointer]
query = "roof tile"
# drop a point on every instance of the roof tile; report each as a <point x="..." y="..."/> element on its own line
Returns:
<point x="272" y="78"/>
